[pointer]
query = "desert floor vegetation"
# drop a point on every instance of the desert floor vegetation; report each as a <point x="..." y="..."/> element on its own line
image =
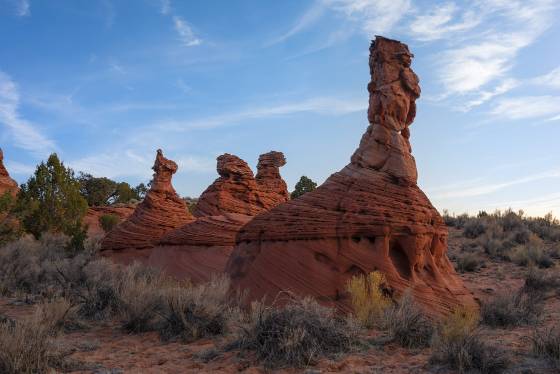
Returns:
<point x="73" y="310"/>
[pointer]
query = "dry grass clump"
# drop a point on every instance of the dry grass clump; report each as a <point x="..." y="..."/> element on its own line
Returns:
<point x="140" y="298"/>
<point x="458" y="344"/>
<point x="407" y="325"/>
<point x="546" y="344"/>
<point x="193" y="312"/>
<point x="368" y="299"/>
<point x="26" y="345"/>
<point x="59" y="314"/>
<point x="295" y="335"/>
<point x="520" y="308"/>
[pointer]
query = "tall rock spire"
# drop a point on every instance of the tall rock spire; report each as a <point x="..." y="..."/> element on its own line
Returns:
<point x="393" y="91"/>
<point x="369" y="216"/>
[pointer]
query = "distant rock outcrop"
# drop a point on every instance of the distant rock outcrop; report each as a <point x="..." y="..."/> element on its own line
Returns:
<point x="238" y="191"/>
<point x="94" y="213"/>
<point x="369" y="216"/>
<point x="7" y="184"/>
<point x="161" y="211"/>
<point x="201" y="248"/>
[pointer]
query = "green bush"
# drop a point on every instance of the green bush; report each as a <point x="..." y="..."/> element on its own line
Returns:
<point x="303" y="186"/>
<point x="468" y="262"/>
<point x="519" y="308"/>
<point x="50" y="201"/>
<point x="109" y="222"/>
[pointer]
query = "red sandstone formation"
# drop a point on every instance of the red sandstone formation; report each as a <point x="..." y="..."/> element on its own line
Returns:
<point x="161" y="211"/>
<point x="198" y="249"/>
<point x="7" y="184"/>
<point x="94" y="213"/>
<point x="238" y="191"/>
<point x="201" y="248"/>
<point x="369" y="216"/>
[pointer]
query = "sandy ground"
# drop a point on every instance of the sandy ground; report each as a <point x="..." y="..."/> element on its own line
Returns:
<point x="105" y="349"/>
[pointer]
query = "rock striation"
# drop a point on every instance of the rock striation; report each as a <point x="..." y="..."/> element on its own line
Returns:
<point x="369" y="216"/>
<point x="161" y="211"/>
<point x="202" y="248"/>
<point x="7" y="184"/>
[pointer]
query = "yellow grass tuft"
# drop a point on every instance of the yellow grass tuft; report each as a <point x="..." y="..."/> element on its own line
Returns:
<point x="367" y="297"/>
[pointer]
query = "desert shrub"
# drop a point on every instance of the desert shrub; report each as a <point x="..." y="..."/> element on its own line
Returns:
<point x="515" y="309"/>
<point x="474" y="228"/>
<point x="468" y="353"/>
<point x="59" y="314"/>
<point x="20" y="266"/>
<point x="25" y="346"/>
<point x="140" y="298"/>
<point x="295" y="335"/>
<point x="523" y="236"/>
<point x="97" y="297"/>
<point x="530" y="254"/>
<point x="407" y="325"/>
<point x="537" y="280"/>
<point x="193" y="312"/>
<point x="546" y="344"/>
<point x="458" y="345"/>
<point x="368" y="299"/>
<point x="468" y="262"/>
<point x="108" y="222"/>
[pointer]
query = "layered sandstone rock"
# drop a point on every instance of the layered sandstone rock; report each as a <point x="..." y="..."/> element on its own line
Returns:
<point x="238" y="191"/>
<point x="94" y="213"/>
<point x="161" y="211"/>
<point x="201" y="248"/>
<point x="369" y="216"/>
<point x="7" y="184"/>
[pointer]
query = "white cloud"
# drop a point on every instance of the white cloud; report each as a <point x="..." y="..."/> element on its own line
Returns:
<point x="15" y="167"/>
<point x="552" y="79"/>
<point x="323" y="105"/>
<point x="165" y="7"/>
<point x="24" y="134"/>
<point x="485" y="189"/>
<point x="375" y="17"/>
<point x="440" y="22"/>
<point x="23" y="8"/>
<point x="185" y="32"/>
<point x="488" y="55"/>
<point x="484" y="96"/>
<point x="307" y="19"/>
<point x="524" y="107"/>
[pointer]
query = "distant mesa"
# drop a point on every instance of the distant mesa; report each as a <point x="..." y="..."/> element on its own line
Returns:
<point x="202" y="248"/>
<point x="369" y="216"/>
<point x="7" y="184"/>
<point x="161" y="211"/>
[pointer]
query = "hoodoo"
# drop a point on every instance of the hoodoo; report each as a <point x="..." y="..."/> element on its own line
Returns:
<point x="202" y="248"/>
<point x="369" y="216"/>
<point x="7" y="184"/>
<point x="161" y="211"/>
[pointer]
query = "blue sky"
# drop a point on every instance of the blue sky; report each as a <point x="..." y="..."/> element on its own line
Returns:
<point x="105" y="83"/>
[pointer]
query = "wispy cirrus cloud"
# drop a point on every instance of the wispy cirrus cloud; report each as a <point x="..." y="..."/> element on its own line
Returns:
<point x="186" y="33"/>
<point x="321" y="105"/>
<point x="524" y="107"/>
<point x="24" y="134"/>
<point x="477" y="188"/>
<point x="443" y="21"/>
<point x="311" y="15"/>
<point x="551" y="79"/>
<point x="23" y="8"/>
